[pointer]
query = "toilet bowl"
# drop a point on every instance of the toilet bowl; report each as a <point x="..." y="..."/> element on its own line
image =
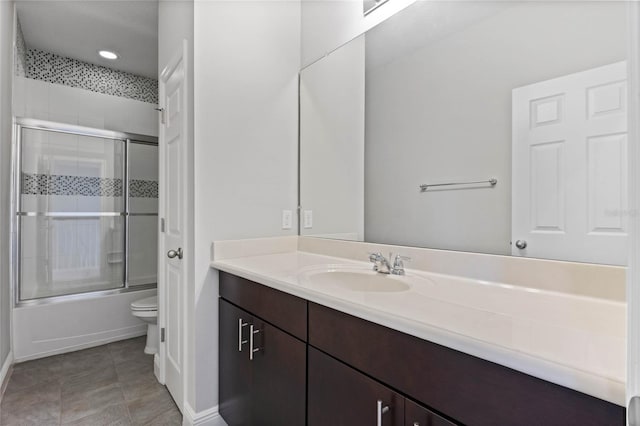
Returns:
<point x="147" y="310"/>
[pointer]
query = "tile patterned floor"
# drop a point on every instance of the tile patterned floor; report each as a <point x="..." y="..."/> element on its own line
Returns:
<point x="106" y="385"/>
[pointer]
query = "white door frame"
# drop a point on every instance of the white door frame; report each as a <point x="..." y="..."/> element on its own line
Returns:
<point x="179" y="55"/>
<point x="633" y="270"/>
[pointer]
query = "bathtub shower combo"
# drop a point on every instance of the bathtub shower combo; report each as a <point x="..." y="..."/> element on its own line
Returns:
<point x="86" y="213"/>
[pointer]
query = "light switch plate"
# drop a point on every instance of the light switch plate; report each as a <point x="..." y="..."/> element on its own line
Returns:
<point x="308" y="219"/>
<point x="287" y="219"/>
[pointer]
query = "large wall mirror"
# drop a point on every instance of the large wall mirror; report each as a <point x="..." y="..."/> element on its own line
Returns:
<point x="526" y="99"/>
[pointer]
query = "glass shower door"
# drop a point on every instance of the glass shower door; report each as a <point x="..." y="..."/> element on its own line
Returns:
<point x="143" y="213"/>
<point x="71" y="214"/>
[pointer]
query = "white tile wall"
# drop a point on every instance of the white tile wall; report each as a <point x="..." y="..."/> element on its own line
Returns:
<point x="55" y="102"/>
<point x="47" y="101"/>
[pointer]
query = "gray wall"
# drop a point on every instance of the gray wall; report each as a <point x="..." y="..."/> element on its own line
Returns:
<point x="247" y="58"/>
<point x="6" y="71"/>
<point x="328" y="24"/>
<point x="444" y="113"/>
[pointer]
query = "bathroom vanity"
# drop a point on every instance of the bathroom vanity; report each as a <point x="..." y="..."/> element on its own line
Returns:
<point x="311" y="354"/>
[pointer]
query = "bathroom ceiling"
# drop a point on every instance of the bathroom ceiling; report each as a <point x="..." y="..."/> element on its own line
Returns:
<point x="78" y="29"/>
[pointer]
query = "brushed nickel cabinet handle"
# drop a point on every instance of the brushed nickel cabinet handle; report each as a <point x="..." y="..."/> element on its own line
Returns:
<point x="241" y="325"/>
<point x="252" y="350"/>
<point x="380" y="411"/>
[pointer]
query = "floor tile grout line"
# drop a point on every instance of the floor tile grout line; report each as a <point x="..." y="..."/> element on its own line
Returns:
<point x="60" y="404"/>
<point x="126" y="406"/>
<point x="128" y="352"/>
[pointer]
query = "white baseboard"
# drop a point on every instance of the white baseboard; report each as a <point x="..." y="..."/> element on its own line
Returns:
<point x="5" y="373"/>
<point x="209" y="417"/>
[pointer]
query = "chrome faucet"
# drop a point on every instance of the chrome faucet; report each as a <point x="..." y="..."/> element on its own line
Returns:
<point x="380" y="263"/>
<point x="383" y="265"/>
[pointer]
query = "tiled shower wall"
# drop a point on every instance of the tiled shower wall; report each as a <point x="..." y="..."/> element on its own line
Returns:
<point x="99" y="98"/>
<point x="40" y="65"/>
<point x="71" y="105"/>
<point x="68" y="174"/>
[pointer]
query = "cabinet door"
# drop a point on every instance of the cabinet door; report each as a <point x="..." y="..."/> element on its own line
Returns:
<point x="340" y="395"/>
<point x="279" y="377"/>
<point x="415" y="415"/>
<point x="235" y="367"/>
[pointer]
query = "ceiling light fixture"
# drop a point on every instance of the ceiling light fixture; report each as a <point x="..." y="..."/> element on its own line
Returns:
<point x="107" y="54"/>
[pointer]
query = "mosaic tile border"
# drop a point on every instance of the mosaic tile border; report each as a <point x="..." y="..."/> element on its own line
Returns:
<point x="57" y="69"/>
<point x="41" y="184"/>
<point x="143" y="188"/>
<point x="87" y="186"/>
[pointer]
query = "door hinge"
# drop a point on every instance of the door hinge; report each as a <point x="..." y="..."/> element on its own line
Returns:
<point x="162" y="335"/>
<point x="161" y="111"/>
<point x="162" y="224"/>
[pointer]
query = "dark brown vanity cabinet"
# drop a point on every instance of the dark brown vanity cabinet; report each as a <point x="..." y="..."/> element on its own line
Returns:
<point x="235" y="366"/>
<point x="262" y="371"/>
<point x="312" y="365"/>
<point x="468" y="389"/>
<point x="415" y="415"/>
<point x="340" y="395"/>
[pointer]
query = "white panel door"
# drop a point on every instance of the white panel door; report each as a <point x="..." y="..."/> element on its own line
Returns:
<point x="569" y="193"/>
<point x="172" y="280"/>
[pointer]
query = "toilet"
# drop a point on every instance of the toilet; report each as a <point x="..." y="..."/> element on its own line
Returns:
<point x="147" y="310"/>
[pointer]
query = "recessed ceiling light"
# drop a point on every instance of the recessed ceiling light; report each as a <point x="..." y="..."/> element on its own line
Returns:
<point x="108" y="54"/>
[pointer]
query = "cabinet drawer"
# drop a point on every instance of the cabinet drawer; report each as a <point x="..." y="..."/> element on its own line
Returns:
<point x="280" y="309"/>
<point x="469" y="389"/>
<point x="416" y="415"/>
<point x="341" y="396"/>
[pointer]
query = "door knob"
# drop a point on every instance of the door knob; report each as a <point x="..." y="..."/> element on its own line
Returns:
<point x="521" y="244"/>
<point x="175" y="253"/>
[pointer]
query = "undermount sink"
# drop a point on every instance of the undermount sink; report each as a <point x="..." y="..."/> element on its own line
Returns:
<point x="357" y="280"/>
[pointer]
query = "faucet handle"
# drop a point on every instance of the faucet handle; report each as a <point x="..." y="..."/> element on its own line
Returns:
<point x="398" y="264"/>
<point x="374" y="257"/>
<point x="400" y="258"/>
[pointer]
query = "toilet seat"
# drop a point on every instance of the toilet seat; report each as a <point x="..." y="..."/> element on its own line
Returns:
<point x="146" y="304"/>
<point x="147" y="310"/>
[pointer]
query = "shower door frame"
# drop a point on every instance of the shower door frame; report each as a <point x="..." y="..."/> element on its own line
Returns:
<point x="21" y="123"/>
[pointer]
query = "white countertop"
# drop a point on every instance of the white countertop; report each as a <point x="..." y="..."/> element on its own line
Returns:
<point x="572" y="340"/>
